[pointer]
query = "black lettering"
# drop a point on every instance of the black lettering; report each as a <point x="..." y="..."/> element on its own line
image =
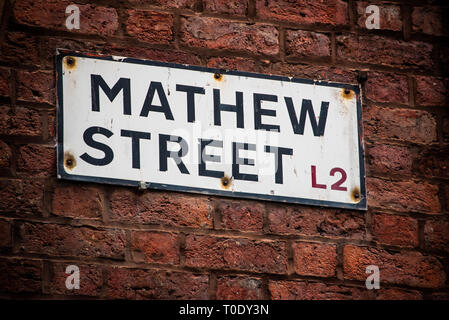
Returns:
<point x="96" y="81"/>
<point x="148" y="106"/>
<point x="278" y="153"/>
<point x="298" y="127"/>
<point x="237" y="161"/>
<point x="203" y="157"/>
<point x="237" y="108"/>
<point x="164" y="154"/>
<point x="88" y="139"/>
<point x="190" y="90"/>
<point x="135" y="144"/>
<point x="259" y="112"/>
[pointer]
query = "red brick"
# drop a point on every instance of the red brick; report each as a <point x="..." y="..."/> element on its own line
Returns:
<point x="214" y="33"/>
<point x="36" y="86"/>
<point x="239" y="288"/>
<point x="164" y="208"/>
<point x="429" y="20"/>
<point x="386" y="87"/>
<point x="304" y="290"/>
<point x="34" y="159"/>
<point x="51" y="14"/>
<point x="389" y="16"/>
<point x="333" y="12"/>
<point x="180" y="4"/>
<point x="395" y="230"/>
<point x="432" y="162"/>
<point x="307" y="44"/>
<point x="241" y="215"/>
<point x="19" y="48"/>
<point x="436" y="235"/>
<point x="20" y="275"/>
<point x="59" y="240"/>
<point x="5" y="233"/>
<point x="414" y="126"/>
<point x="384" y="51"/>
<point x="315" y="259"/>
<point x="313" y="72"/>
<point x="51" y="125"/>
<point x="232" y="7"/>
<point x="241" y="64"/>
<point x="150" y="26"/>
<point x="446" y="129"/>
<point x="431" y="91"/>
<point x="316" y="222"/>
<point x="154" y="247"/>
<point x="155" y="284"/>
<point x="384" y="158"/>
<point x="20" y="122"/>
<point x="237" y="254"/>
<point x="91" y="280"/>
<point x="446" y="195"/>
<point x="78" y="202"/>
<point x="5" y="155"/>
<point x="407" y="268"/>
<point x="4" y="82"/>
<point x="403" y="195"/>
<point x="21" y="196"/>
<point x="165" y="55"/>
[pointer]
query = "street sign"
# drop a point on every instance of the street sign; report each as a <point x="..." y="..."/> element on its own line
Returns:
<point x="185" y="128"/>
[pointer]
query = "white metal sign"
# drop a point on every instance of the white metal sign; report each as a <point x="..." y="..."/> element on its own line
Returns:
<point x="176" y="127"/>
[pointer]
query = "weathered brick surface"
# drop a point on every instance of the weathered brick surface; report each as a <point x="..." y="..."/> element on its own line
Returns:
<point x="213" y="33"/>
<point x="334" y="12"/>
<point x="125" y="283"/>
<point x="19" y="48"/>
<point x="91" y="280"/>
<point x="241" y="215"/>
<point x="20" y="122"/>
<point x="36" y="160"/>
<point x="5" y="233"/>
<point x="431" y="91"/>
<point x="315" y="259"/>
<point x="161" y="208"/>
<point x="429" y="20"/>
<point x="20" y="275"/>
<point x="239" y="288"/>
<point x="4" y="82"/>
<point x="236" y="254"/>
<point x="232" y="7"/>
<point x="22" y="197"/>
<point x="37" y="86"/>
<point x="389" y="16"/>
<point x="307" y="44"/>
<point x="386" y="87"/>
<point x="77" y="202"/>
<point x="180" y="4"/>
<point x="436" y="235"/>
<point x="313" y="72"/>
<point x="51" y="14"/>
<point x="301" y="290"/>
<point x="415" y="126"/>
<point x="154" y="247"/>
<point x="408" y="268"/>
<point x="150" y="26"/>
<point x="432" y="162"/>
<point x="238" y="63"/>
<point x="316" y="222"/>
<point x="61" y="240"/>
<point x="385" y="51"/>
<point x="414" y="196"/>
<point x="391" y="159"/>
<point x="395" y="230"/>
<point x="5" y="155"/>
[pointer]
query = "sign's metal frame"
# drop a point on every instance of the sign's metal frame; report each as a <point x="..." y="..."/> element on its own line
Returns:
<point x="61" y="53"/>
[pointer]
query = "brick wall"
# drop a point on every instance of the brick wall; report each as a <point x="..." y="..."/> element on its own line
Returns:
<point x="154" y="244"/>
